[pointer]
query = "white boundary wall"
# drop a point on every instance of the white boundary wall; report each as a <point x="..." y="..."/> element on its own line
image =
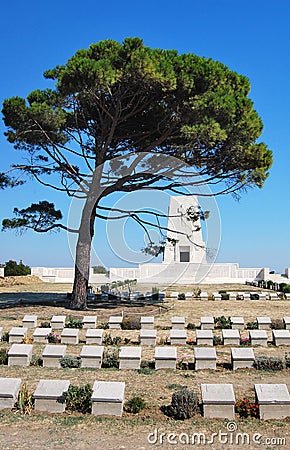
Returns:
<point x="175" y="273"/>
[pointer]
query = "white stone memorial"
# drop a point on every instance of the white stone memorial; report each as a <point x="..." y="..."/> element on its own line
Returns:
<point x="57" y="322"/>
<point x="178" y="337"/>
<point x="231" y="337"/>
<point x="189" y="294"/>
<point x="204" y="337"/>
<point x="174" y="294"/>
<point x="17" y="334"/>
<point x="52" y="354"/>
<point x="286" y="321"/>
<point x="216" y="296"/>
<point x="281" y="337"/>
<point x="258" y="337"/>
<point x="70" y="336"/>
<point x="130" y="357"/>
<point x="41" y="335"/>
<point x="108" y="398"/>
<point x="148" y="337"/>
<point x="242" y="358"/>
<point x="178" y="323"/>
<point x="203" y="296"/>
<point x="165" y="358"/>
<point x="29" y="321"/>
<point x="246" y="295"/>
<point x="232" y="295"/>
<point x="89" y="322"/>
<point x="205" y="358"/>
<point x="49" y="395"/>
<point x="218" y="401"/>
<point x="207" y="323"/>
<point x="238" y="323"/>
<point x="264" y="323"/>
<point x="20" y="355"/>
<point x="91" y="356"/>
<point x="1" y="332"/>
<point x="94" y="336"/>
<point x="274" y="296"/>
<point x="273" y="401"/>
<point x="115" y="322"/>
<point x="9" y="389"/>
<point x="147" y="322"/>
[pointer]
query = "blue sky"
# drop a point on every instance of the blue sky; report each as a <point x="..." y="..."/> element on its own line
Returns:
<point x="249" y="36"/>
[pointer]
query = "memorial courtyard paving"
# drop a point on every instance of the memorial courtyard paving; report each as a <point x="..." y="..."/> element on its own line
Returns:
<point x="77" y="431"/>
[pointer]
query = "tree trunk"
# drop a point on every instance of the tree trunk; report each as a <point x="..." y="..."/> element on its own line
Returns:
<point x="81" y="278"/>
<point x="83" y="256"/>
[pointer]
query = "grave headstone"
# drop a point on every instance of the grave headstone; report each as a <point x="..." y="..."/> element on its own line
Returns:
<point x="238" y="323"/>
<point x="17" y="334"/>
<point x="178" y="337"/>
<point x="89" y="322"/>
<point x="115" y="322"/>
<point x="231" y="337"/>
<point x="165" y="358"/>
<point x="29" y="321"/>
<point x="9" y="389"/>
<point x="49" y="396"/>
<point x="264" y="323"/>
<point x="178" y="323"/>
<point x="91" y="356"/>
<point x="41" y="335"/>
<point x="258" y="337"/>
<point x="204" y="337"/>
<point x="52" y="354"/>
<point x="218" y="401"/>
<point x="57" y="322"/>
<point x="273" y="401"/>
<point x="147" y="323"/>
<point x="94" y="336"/>
<point x="70" y="336"/>
<point x="148" y="337"/>
<point x="281" y="337"/>
<point x="205" y="358"/>
<point x="20" y="355"/>
<point x="207" y="323"/>
<point x="108" y="398"/>
<point x="242" y="358"/>
<point x="130" y="358"/>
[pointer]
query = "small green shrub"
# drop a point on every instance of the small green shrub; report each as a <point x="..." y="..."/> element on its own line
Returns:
<point x="135" y="405"/>
<point x="252" y="325"/>
<point x="246" y="408"/>
<point x="191" y="326"/>
<point x="182" y="362"/>
<point x="53" y="338"/>
<point x="245" y="342"/>
<point x="44" y="325"/>
<point x="25" y="401"/>
<point x="5" y="336"/>
<point x="181" y="296"/>
<point x="36" y="361"/>
<point x="104" y="325"/>
<point x="74" y="323"/>
<point x="130" y="323"/>
<point x="223" y="322"/>
<point x="3" y="356"/>
<point x="269" y="363"/>
<point x="277" y="324"/>
<point x="110" y="358"/>
<point x="127" y="341"/>
<point x="107" y="339"/>
<point x="145" y="371"/>
<point x="175" y="386"/>
<point x="116" y="340"/>
<point x="217" y="340"/>
<point x="71" y="362"/>
<point x="184" y="405"/>
<point x="79" y="398"/>
<point x="287" y="360"/>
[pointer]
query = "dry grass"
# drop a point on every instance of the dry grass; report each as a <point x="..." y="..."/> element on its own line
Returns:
<point x="130" y="432"/>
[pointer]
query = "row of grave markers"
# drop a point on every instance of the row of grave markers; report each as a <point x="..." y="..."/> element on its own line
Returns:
<point x="232" y="295"/>
<point x="129" y="357"/>
<point x="147" y="322"/>
<point x="218" y="400"/>
<point x="149" y="336"/>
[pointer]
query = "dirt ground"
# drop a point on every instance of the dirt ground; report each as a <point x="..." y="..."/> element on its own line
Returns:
<point x="132" y="431"/>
